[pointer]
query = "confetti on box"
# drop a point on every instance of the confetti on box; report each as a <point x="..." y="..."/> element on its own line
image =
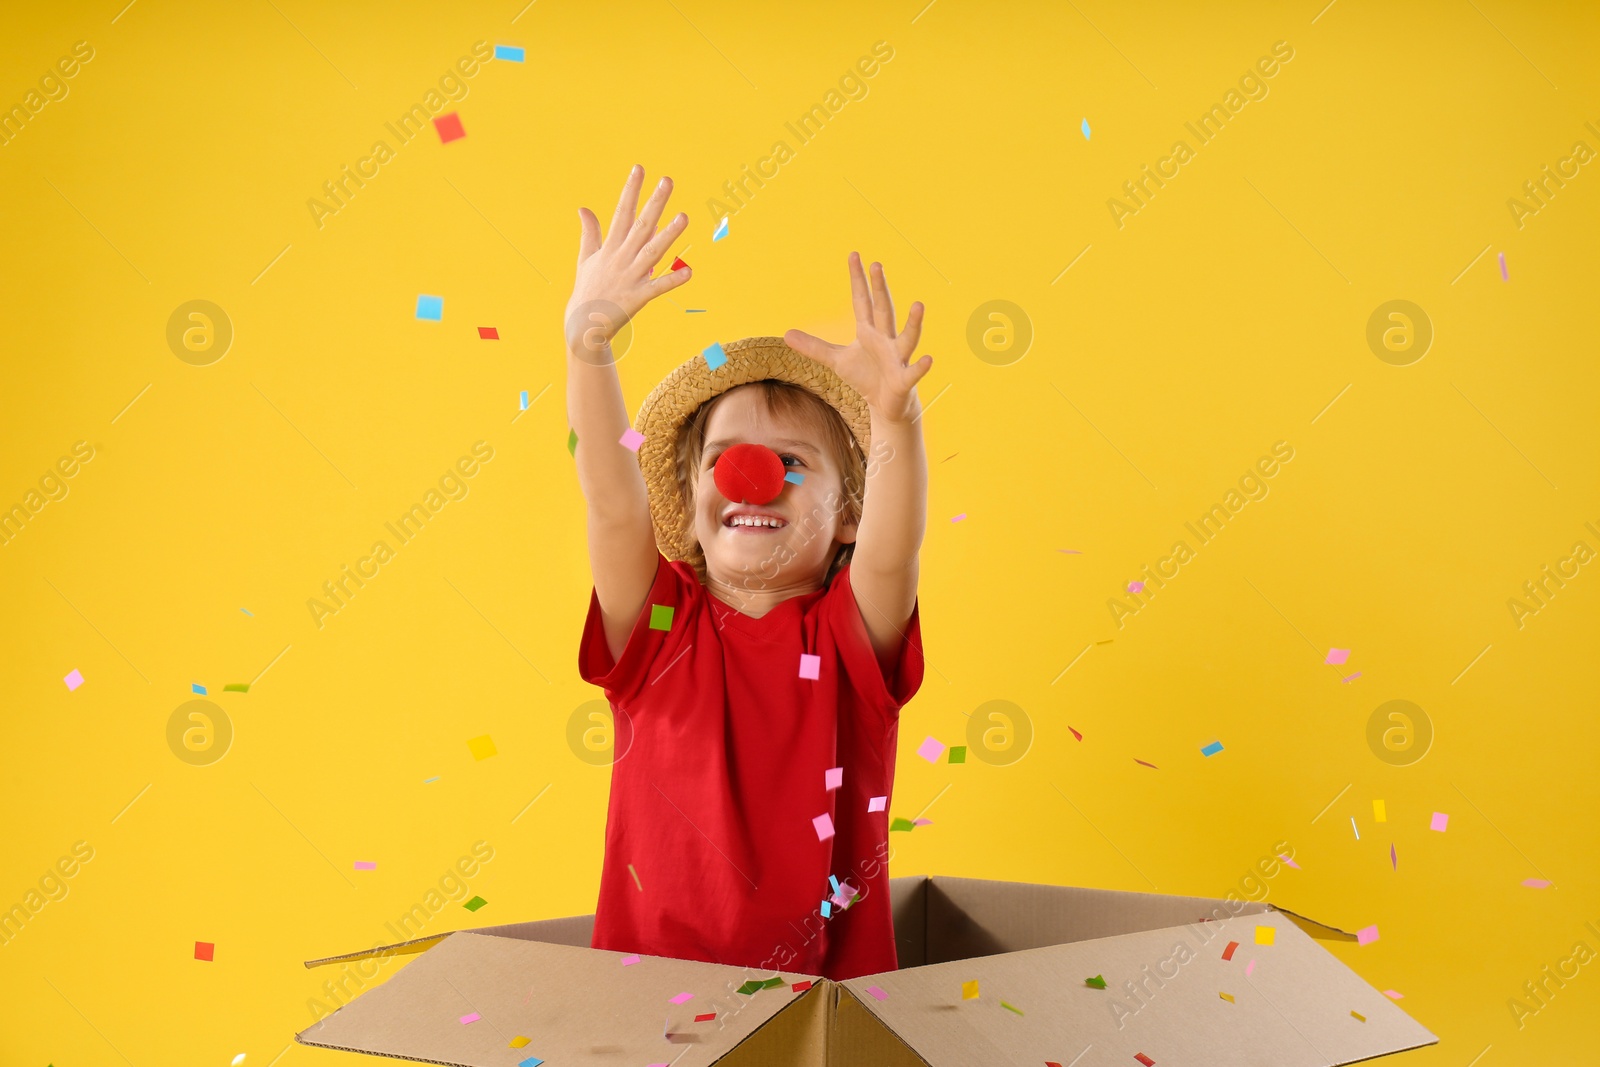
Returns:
<point x="481" y="747"/>
<point x="800" y="987"/>
<point x="488" y="333"/>
<point x="1367" y="935"/>
<point x="629" y="961"/>
<point x="509" y="52"/>
<point x="519" y="1042"/>
<point x="366" y="865"/>
<point x="824" y="826"/>
<point x="1146" y="1060"/>
<point x="678" y="264"/>
<point x="930" y="749"/>
<point x="958" y="754"/>
<point x="1097" y="982"/>
<point x="810" y="666"/>
<point x="1085" y="129"/>
<point x="1249" y="967"/>
<point x="449" y="127"/>
<point x="1228" y="997"/>
<point x="682" y="998"/>
<point x="714" y="356"/>
<point x="1379" y="812"/>
<point x="475" y="903"/>
<point x="1265" y="934"/>
<point x="1212" y="749"/>
<point x="204" y="950"/>
<point x="877" y="993"/>
<point x="469" y="1018"/>
<point x="430" y="308"/>
<point x="631" y="439"/>
<point x="1337" y="656"/>
<point x="880" y="803"/>
<point x="531" y="1061"/>
<point x="969" y="990"/>
<point x="1227" y="953"/>
<point x="721" y="230"/>
<point x="1359" y="1017"/>
<point x="1439" y="822"/>
<point x="1011" y="1007"/>
<point x="833" y="778"/>
<point x="709" y="1016"/>
<point x="661" y="616"/>
<point x="197" y="688"/>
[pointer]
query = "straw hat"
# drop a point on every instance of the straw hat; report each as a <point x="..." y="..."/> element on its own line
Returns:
<point x="691" y="384"/>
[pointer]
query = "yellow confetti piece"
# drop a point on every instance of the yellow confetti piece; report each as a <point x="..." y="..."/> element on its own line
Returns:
<point x="1265" y="934"/>
<point x="482" y="747"/>
<point x="518" y="1042"/>
<point x="1359" y="1016"/>
<point x="1227" y="996"/>
<point x="636" y="878"/>
<point x="969" y="990"/>
<point x="1008" y="1007"/>
<point x="1378" y="812"/>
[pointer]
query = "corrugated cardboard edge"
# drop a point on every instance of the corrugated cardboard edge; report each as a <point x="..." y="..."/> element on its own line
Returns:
<point x="364" y="1052"/>
<point x="401" y="948"/>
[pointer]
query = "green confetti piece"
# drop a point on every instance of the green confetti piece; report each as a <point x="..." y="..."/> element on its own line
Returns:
<point x="475" y="903"/>
<point x="772" y="983"/>
<point x="660" y="616"/>
<point x="237" y="687"/>
<point x="1097" y="982"/>
<point x="749" y="988"/>
<point x="958" y="754"/>
<point x="901" y="824"/>
<point x="1008" y="1007"/>
<point x="572" y="443"/>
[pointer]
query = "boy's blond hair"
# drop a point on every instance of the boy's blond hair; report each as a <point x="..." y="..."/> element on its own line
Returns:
<point x="781" y="398"/>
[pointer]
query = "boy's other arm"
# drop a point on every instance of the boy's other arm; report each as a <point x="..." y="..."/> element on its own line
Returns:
<point x="613" y="283"/>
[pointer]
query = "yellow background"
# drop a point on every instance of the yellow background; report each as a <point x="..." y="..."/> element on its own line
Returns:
<point x="1223" y="317"/>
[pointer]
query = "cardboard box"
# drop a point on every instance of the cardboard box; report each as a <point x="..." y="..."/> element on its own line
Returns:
<point x="1029" y="948"/>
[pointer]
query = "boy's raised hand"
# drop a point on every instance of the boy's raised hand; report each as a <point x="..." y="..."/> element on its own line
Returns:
<point x="876" y="364"/>
<point x="613" y="281"/>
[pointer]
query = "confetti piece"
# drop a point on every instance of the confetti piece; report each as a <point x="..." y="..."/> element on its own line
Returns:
<point x="205" y="950"/>
<point x="810" y="666"/>
<point x="823" y="824"/>
<point x="877" y="994"/>
<point x="435" y="778"/>
<point x="366" y="865"/>
<point x="800" y="987"/>
<point x="523" y="401"/>
<point x="1228" y="952"/>
<point x="1076" y="735"/>
<point x="481" y="747"/>
<point x="877" y="803"/>
<point x="248" y="612"/>
<point x="1228" y="997"/>
<point x="508" y="52"/>
<point x="1392" y="995"/>
<point x="833" y="778"/>
<point x="661" y="616"/>
<point x="721" y="230"/>
<point x="1289" y="861"/>
<point x="1379" y="812"/>
<point x="1249" y="967"/>
<point x="901" y="824"/>
<point x="475" y="903"/>
<point x="1393" y="862"/>
<point x="958" y="753"/>
<point x="684" y="998"/>
<point x="1085" y="128"/>
<point x="708" y="1017"/>
<point x="1010" y="1007"/>
<point x="430" y="308"/>
<point x="1152" y="766"/>
<point x="794" y="478"/>
<point x="1439" y="822"/>
<point x="1146" y="1060"/>
<point x="236" y="687"/>
<point x="519" y="1042"/>
<point x="488" y="333"/>
<point x="195" y="688"/>
<point x="1351" y="678"/>
<point x="969" y="990"/>
<point x="833" y="880"/>
<point x="715" y="356"/>
<point x="1367" y="935"/>
<point x="921" y="822"/>
<point x="1097" y="982"/>
<point x="1070" y="551"/>
<point x="1359" y="1017"/>
<point x="572" y="442"/>
<point x="469" y="1018"/>
<point x="1337" y="656"/>
<point x="930" y="749"/>
<point x="1536" y="883"/>
<point x="636" y="878"/>
<point x="531" y="1061"/>
<point x="827" y="909"/>
<point x="1503" y="275"/>
<point x="629" y="961"/>
<point x="1265" y="934"/>
<point x="1354" y="829"/>
<point x="1135" y="587"/>
<point x="449" y="127"/>
<point x="959" y="517"/>
<point x="1212" y="749"/>
<point x="631" y="439"/>
<point x="678" y="264"/>
<point x="237" y="1060"/>
<point x="694" y="311"/>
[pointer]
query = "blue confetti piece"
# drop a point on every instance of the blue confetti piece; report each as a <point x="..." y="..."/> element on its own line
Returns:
<point x="197" y="688"/>
<point x="531" y="1061"/>
<point x="1085" y="129"/>
<point x="722" y="229"/>
<point x="794" y="477"/>
<point x="506" y="51"/>
<point x="827" y="909"/>
<point x="524" y="400"/>
<point x="430" y="308"/>
<point x="1212" y="749"/>
<point x="715" y="356"/>
<point x="834" y="880"/>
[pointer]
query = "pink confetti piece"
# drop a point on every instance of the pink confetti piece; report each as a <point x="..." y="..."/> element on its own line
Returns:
<point x="930" y="749"/>
<point x="1439" y="822"/>
<point x="1351" y="677"/>
<point x="1392" y="995"/>
<point x="1392" y="861"/>
<point x="470" y="1017"/>
<point x="366" y="865"/>
<point x="877" y="993"/>
<point x="1337" y="656"/>
<point x="833" y="778"/>
<point x="1070" y="551"/>
<point x="682" y="998"/>
<point x="1289" y="861"/>
<point x="1249" y="967"/>
<point x="1135" y="587"/>
<point x="922" y="822"/>
<point x="1367" y="935"/>
<point x="824" y="826"/>
<point x="810" y="666"/>
<point x="1503" y="275"/>
<point x="878" y="804"/>
<point x="631" y="439"/>
<point x="73" y="680"/>
<point x="629" y="961"/>
<point x="959" y="517"/>
<point x="1536" y="883"/>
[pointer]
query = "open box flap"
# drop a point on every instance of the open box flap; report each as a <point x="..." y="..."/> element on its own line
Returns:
<point x="573" y="1004"/>
<point x="1292" y="1010"/>
<point x="576" y="930"/>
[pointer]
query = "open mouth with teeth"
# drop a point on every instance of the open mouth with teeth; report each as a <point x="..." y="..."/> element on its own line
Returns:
<point x="753" y="523"/>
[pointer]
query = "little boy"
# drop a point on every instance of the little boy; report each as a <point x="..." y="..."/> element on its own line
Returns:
<point x="753" y="620"/>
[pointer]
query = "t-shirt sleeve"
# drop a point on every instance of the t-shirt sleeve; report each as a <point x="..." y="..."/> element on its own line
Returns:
<point x="888" y="688"/>
<point x="624" y="679"/>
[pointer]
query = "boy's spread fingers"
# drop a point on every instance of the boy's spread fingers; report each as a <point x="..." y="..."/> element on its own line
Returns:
<point x="858" y="292"/>
<point x="627" y="207"/>
<point x="652" y="252"/>
<point x="882" y="306"/>
<point x="645" y="224"/>
<point x="913" y="332"/>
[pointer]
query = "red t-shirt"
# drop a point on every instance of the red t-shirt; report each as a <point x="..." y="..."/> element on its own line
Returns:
<point x="722" y="750"/>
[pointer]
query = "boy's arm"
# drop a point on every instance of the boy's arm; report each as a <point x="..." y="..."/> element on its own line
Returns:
<point x="884" y="564"/>
<point x="613" y="282"/>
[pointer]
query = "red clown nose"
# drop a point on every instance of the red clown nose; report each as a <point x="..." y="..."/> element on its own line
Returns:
<point x="749" y="474"/>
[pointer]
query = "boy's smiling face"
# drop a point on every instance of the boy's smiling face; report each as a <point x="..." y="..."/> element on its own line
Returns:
<point x="756" y="567"/>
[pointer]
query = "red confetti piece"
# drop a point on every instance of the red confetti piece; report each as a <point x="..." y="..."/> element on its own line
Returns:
<point x="1076" y="734"/>
<point x="1152" y="766"/>
<point x="1227" y="953"/>
<point x="801" y="987"/>
<point x="678" y="264"/>
<point x="449" y="127"/>
<point x="488" y="333"/>
<point x="204" y="950"/>
<point x="1146" y="1060"/>
<point x="709" y="1016"/>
